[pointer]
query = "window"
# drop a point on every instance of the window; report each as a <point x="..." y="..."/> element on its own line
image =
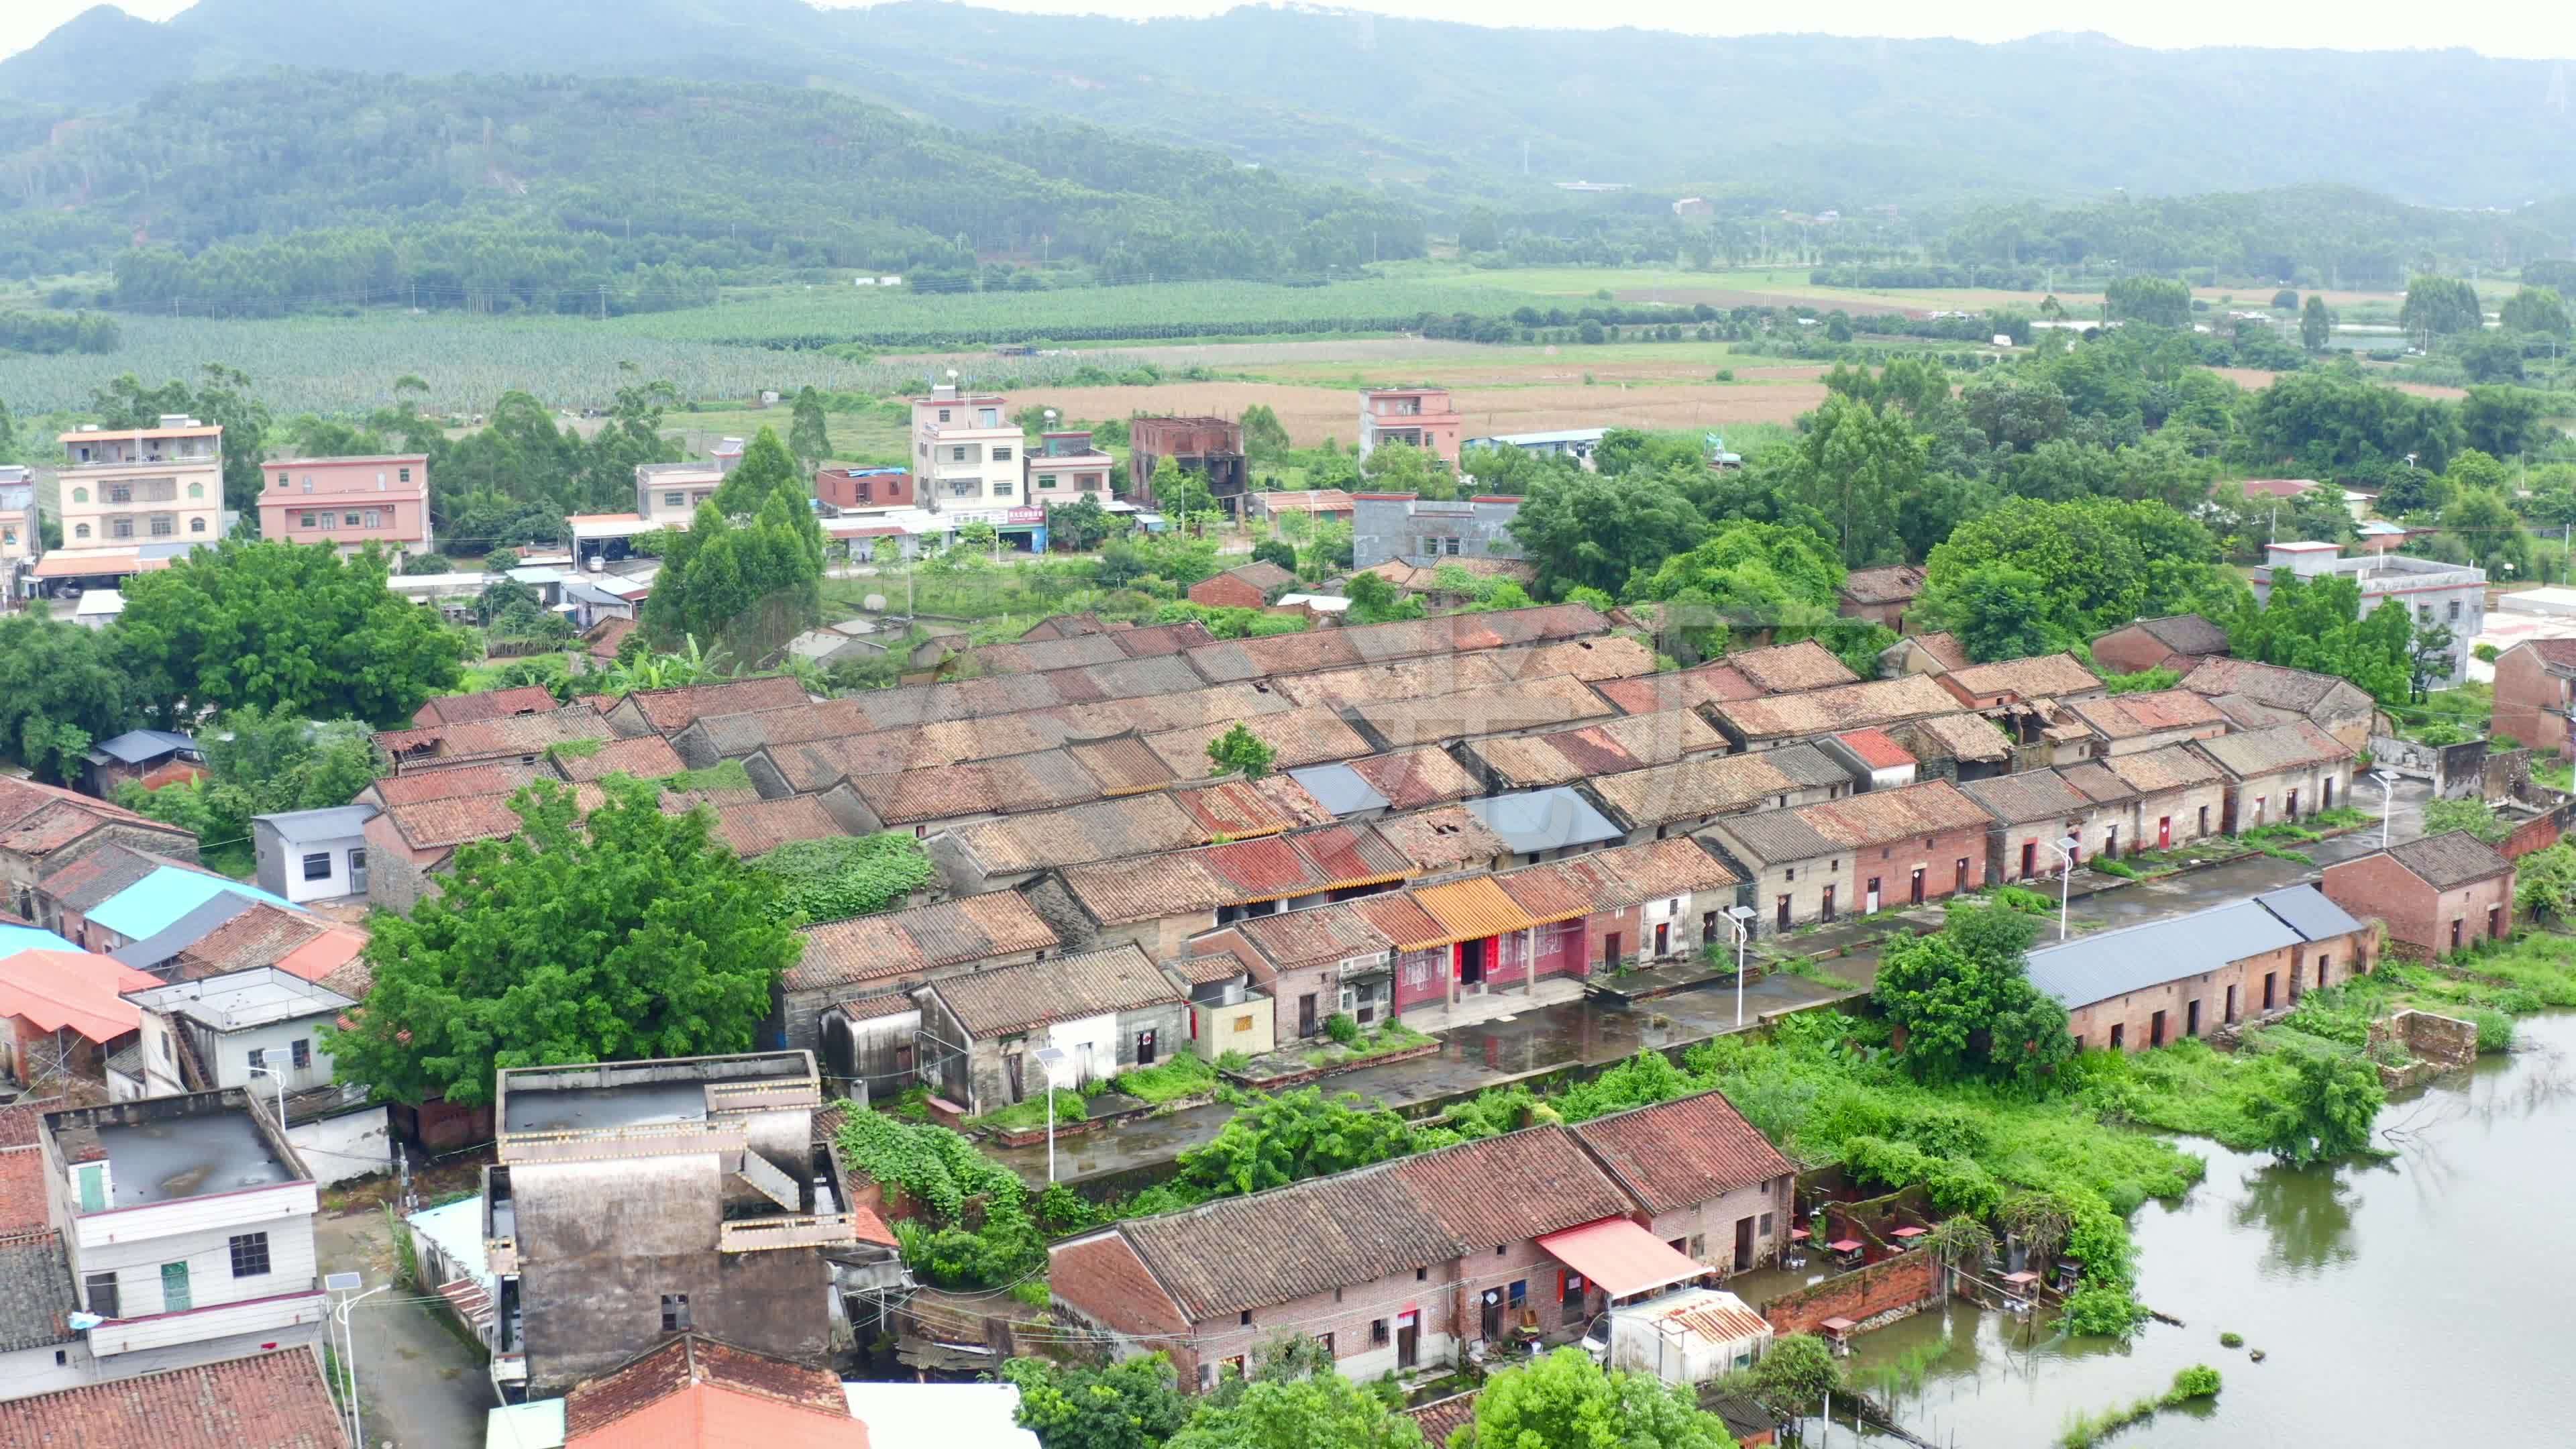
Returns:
<point x="259" y="1056"/>
<point x="120" y="492"/>
<point x="1001" y="487"/>
<point x="164" y="1039"/>
<point x="675" y="1313"/>
<point x="2118" y="1034"/>
<point x="957" y="454"/>
<point x="308" y="482"/>
<point x="375" y="518"/>
<point x="674" y="500"/>
<point x="175" y="1297"/>
<point x="349" y="519"/>
<point x="1421" y="1275"/>
<point x="304" y="520"/>
<point x="317" y="866"/>
<point x="196" y="525"/>
<point x="301" y="1051"/>
<point x="80" y="530"/>
<point x="2455" y="610"/>
<point x="1765" y="1229"/>
<point x="1046" y="481"/>
<point x="1246" y="1318"/>
<point x="943" y="415"/>
<point x="402" y="475"/>
<point x="101" y="1289"/>
<point x="80" y="495"/>
<point x="250" y="1255"/>
<point x="121" y="528"/>
<point x="282" y="480"/>
<point x="196" y="490"/>
<point x="1001" y="455"/>
<point x="1377" y="1330"/>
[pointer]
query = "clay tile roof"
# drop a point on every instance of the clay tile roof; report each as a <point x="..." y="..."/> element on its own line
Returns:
<point x="671" y="710"/>
<point x="2186" y="634"/>
<point x="1958" y="736"/>
<point x="2170" y="768"/>
<point x="517" y="734"/>
<point x="263" y="935"/>
<point x="1412" y="779"/>
<point x="435" y="824"/>
<point x="1123" y="764"/>
<point x="2126" y="716"/>
<point x="1442" y="1418"/>
<point x="1403" y="679"/>
<point x="1395" y="916"/>
<point x="414" y="787"/>
<point x="35" y="1273"/>
<point x="1080" y="834"/>
<point x="1945" y="649"/>
<point x="1213" y="967"/>
<point x="1894" y="584"/>
<point x="22" y="1177"/>
<point x="1016" y="998"/>
<point x="646" y="757"/>
<point x="1688" y="689"/>
<point x="1660" y="867"/>
<point x="1775" y="837"/>
<point x="1683" y="1153"/>
<point x="2276" y="685"/>
<point x="2452" y="859"/>
<point x="1443" y="839"/>
<point x="1147" y="640"/>
<point x="1611" y="656"/>
<point x="1828" y="711"/>
<point x="1508" y="1189"/>
<point x="899" y="943"/>
<point x="695" y="1391"/>
<point x="98" y="875"/>
<point x="2095" y="782"/>
<point x="21" y="799"/>
<point x="761" y="826"/>
<point x="1350" y="1228"/>
<point x="1235" y="809"/>
<point x="2268" y="751"/>
<point x="1473" y="908"/>
<point x="1787" y="668"/>
<point x="1298" y="737"/>
<point x="1894" y="813"/>
<point x="2031" y="795"/>
<point x="1327" y="933"/>
<point x="489" y="704"/>
<point x="1020" y="782"/>
<point x="1521" y="705"/>
<point x="1702" y="785"/>
<point x="1876" y="749"/>
<point x="266" y="1401"/>
<point x="2556" y="654"/>
<point x="2037" y="677"/>
<point x="1263" y="575"/>
<point x="600" y="641"/>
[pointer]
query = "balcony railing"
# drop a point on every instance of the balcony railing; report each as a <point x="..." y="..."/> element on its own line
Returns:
<point x="801" y="1230"/>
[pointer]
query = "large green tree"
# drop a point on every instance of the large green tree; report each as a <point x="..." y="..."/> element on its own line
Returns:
<point x="1854" y="466"/>
<point x="1323" y="1410"/>
<point x="1131" y="1404"/>
<point x="1593" y="531"/>
<point x="281" y="626"/>
<point x="2317" y="624"/>
<point x="2155" y="301"/>
<point x="2439" y="306"/>
<point x="1747" y="579"/>
<point x="262" y="762"/>
<point x="809" y="433"/>
<point x="2088" y="565"/>
<point x="2325" y="1109"/>
<point x="1293" y="1136"/>
<point x="749" y="585"/>
<point x="62" y="689"/>
<point x="631" y="934"/>
<point x="2316" y="324"/>
<point x="1964" y="996"/>
<point x="1566" y="1401"/>
<point x="2536" y="309"/>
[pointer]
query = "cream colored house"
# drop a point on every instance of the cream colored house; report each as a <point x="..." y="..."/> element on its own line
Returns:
<point x="122" y="488"/>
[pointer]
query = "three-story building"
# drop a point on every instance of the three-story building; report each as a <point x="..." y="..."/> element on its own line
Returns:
<point x="350" y="503"/>
<point x="126" y="487"/>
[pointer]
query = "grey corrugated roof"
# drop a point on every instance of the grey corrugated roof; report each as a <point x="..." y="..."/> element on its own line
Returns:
<point x="2114" y="963"/>
<point x="332" y="822"/>
<point x="1539" y="820"/>
<point x="188" y="930"/>
<point x="135" y="746"/>
<point x="1339" y="788"/>
<point x="2307" y="911"/>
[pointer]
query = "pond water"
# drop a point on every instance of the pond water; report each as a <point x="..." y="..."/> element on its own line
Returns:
<point x="2426" y="1300"/>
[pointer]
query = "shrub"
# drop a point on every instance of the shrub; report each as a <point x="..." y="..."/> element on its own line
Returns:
<point x="2199" y="1381"/>
<point x="1799" y="1369"/>
<point x="1341" y="1028"/>
<point x="2103" y="1310"/>
<point x="2231" y="1340"/>
<point x="2120" y="868"/>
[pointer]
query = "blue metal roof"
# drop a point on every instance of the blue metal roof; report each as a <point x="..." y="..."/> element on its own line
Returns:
<point x="1339" y="788"/>
<point x="1537" y="820"/>
<point x="2114" y="963"/>
<point x="14" y="939"/>
<point x="156" y="902"/>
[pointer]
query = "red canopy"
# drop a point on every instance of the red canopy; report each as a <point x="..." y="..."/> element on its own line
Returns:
<point x="1621" y="1258"/>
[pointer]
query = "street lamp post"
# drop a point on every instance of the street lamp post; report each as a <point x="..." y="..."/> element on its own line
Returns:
<point x="349" y="1334"/>
<point x="1740" y="917"/>
<point x="2387" y="802"/>
<point x="2065" y="849"/>
<point x="1050" y="1058"/>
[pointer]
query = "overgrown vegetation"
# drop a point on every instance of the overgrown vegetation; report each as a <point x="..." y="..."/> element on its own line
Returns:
<point x="2190" y="1385"/>
<point x="846" y="875"/>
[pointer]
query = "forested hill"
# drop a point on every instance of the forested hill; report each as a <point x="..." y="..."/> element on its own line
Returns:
<point x="1806" y="122"/>
<point x="522" y="191"/>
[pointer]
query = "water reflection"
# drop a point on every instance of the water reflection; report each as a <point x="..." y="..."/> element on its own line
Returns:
<point x="2305" y="1211"/>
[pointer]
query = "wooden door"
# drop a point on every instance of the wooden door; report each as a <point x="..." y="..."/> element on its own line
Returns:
<point x="1914" y="893"/>
<point x="1743" y="1244"/>
<point x="1408" y="1341"/>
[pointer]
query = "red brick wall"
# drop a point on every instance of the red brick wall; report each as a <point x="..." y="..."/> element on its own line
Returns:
<point x="2418" y="917"/>
<point x="2528" y="701"/>
<point x="2128" y="651"/>
<point x="1899" y="1282"/>
<point x="2532" y="835"/>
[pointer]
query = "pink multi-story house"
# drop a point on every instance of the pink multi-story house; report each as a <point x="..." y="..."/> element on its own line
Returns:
<point x="349" y="502"/>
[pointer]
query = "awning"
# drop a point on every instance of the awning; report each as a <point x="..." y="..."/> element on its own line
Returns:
<point x="1620" y="1258"/>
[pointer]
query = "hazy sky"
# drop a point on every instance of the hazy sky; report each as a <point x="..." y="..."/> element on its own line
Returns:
<point x="2529" y="28"/>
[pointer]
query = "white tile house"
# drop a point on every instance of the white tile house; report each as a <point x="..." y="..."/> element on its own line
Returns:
<point x="313" y="855"/>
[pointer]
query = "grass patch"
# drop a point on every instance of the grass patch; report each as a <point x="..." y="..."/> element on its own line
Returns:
<point x="1031" y="1115"/>
<point x="574" y="749"/>
<point x="723" y="775"/>
<point x="1181" y="1076"/>
<point x="2083" y="1431"/>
